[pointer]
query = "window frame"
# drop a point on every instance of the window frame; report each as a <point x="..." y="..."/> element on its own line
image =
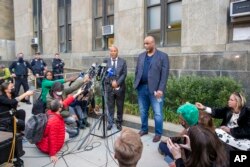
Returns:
<point x="66" y="25"/>
<point x="37" y="29"/>
<point x="163" y="22"/>
<point x="105" y="21"/>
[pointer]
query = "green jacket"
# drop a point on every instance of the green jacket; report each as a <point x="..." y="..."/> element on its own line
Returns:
<point x="46" y="86"/>
<point x="67" y="90"/>
<point x="4" y="73"/>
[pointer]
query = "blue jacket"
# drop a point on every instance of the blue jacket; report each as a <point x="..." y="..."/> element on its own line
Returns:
<point x="157" y="73"/>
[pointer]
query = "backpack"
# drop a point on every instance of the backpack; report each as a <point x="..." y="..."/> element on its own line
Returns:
<point x="38" y="106"/>
<point x="35" y="127"/>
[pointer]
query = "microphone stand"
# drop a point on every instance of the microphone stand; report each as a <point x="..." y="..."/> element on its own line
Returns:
<point x="102" y="118"/>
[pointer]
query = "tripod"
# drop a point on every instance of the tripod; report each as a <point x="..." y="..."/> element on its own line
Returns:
<point x="102" y="119"/>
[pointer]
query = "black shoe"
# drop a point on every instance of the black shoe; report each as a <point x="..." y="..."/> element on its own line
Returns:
<point x="109" y="127"/>
<point x="119" y="126"/>
<point x="85" y="122"/>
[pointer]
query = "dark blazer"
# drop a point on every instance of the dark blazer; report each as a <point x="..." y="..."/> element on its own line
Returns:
<point x="121" y="71"/>
<point x="241" y="132"/>
<point x="157" y="73"/>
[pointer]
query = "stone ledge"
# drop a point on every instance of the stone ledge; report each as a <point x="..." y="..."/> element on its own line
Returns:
<point x="169" y="129"/>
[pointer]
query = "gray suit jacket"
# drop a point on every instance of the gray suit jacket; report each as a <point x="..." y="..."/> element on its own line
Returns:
<point x="157" y="73"/>
<point x="121" y="71"/>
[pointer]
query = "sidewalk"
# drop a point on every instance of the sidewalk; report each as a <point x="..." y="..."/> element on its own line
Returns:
<point x="96" y="152"/>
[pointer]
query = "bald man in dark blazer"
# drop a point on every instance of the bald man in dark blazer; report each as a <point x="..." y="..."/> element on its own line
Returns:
<point x="115" y="87"/>
<point x="151" y="76"/>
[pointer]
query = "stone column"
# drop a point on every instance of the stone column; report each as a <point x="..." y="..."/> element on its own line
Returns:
<point x="23" y="26"/>
<point x="7" y="35"/>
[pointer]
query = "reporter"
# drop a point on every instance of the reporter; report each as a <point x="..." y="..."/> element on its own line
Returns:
<point x="235" y="121"/>
<point x="128" y="148"/>
<point x="48" y="82"/>
<point x="8" y="101"/>
<point x="204" y="149"/>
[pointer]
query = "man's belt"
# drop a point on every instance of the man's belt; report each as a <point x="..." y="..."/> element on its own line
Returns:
<point x="22" y="76"/>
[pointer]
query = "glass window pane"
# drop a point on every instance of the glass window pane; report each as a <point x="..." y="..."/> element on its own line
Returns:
<point x="111" y="20"/>
<point x="173" y="37"/>
<point x="69" y="32"/>
<point x="157" y="37"/>
<point x="110" y="7"/>
<point x="98" y="43"/>
<point x="63" y="47"/>
<point x="69" y="11"/>
<point x="98" y="27"/>
<point x="61" y="15"/>
<point x="62" y="34"/>
<point x="174" y="15"/>
<point x="154" y="18"/>
<point x="153" y="2"/>
<point x="69" y="46"/>
<point x="98" y="8"/>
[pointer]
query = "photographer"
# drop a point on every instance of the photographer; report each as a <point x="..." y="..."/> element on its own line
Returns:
<point x="188" y="116"/>
<point x="59" y="92"/>
<point x="8" y="101"/>
<point x="115" y="87"/>
<point x="204" y="149"/>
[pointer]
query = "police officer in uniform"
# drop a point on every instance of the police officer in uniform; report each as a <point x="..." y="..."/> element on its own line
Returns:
<point x="39" y="67"/>
<point x="19" y="70"/>
<point x="57" y="67"/>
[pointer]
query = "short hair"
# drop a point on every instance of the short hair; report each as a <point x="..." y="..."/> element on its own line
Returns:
<point x="55" y="105"/>
<point x="128" y="148"/>
<point x="190" y="113"/>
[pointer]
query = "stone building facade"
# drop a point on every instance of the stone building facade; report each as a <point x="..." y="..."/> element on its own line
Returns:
<point x="7" y="35"/>
<point x="200" y="36"/>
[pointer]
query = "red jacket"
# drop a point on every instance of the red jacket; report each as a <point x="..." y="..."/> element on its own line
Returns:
<point x="54" y="134"/>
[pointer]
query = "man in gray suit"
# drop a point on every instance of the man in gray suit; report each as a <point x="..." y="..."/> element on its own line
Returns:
<point x="151" y="76"/>
<point x="115" y="87"/>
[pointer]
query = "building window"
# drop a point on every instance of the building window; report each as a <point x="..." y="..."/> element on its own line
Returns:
<point x="163" y="21"/>
<point x="239" y="25"/>
<point x="103" y="14"/>
<point x="64" y="25"/>
<point x="37" y="25"/>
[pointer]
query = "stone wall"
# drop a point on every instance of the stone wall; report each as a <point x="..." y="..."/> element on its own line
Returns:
<point x="7" y="35"/>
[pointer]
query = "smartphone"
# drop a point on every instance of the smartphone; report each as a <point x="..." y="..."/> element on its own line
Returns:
<point x="178" y="140"/>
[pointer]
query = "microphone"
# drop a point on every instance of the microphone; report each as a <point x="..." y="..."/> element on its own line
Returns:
<point x="101" y="68"/>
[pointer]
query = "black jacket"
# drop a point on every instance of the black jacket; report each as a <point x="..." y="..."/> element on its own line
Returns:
<point x="240" y="132"/>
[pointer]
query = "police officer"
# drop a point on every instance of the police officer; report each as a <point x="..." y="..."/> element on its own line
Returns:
<point x="57" y="67"/>
<point x="39" y="67"/>
<point x="19" y="70"/>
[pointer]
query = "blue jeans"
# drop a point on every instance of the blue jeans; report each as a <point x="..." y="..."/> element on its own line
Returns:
<point x="145" y="99"/>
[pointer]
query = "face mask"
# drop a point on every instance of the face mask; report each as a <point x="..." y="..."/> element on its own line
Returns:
<point x="20" y="59"/>
<point x="59" y="93"/>
<point x="12" y="91"/>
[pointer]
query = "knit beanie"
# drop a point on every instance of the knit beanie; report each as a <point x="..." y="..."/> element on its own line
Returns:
<point x="190" y="113"/>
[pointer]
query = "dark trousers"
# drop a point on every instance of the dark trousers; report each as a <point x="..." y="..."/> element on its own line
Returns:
<point x="21" y="81"/>
<point x="6" y="124"/>
<point x="115" y="98"/>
